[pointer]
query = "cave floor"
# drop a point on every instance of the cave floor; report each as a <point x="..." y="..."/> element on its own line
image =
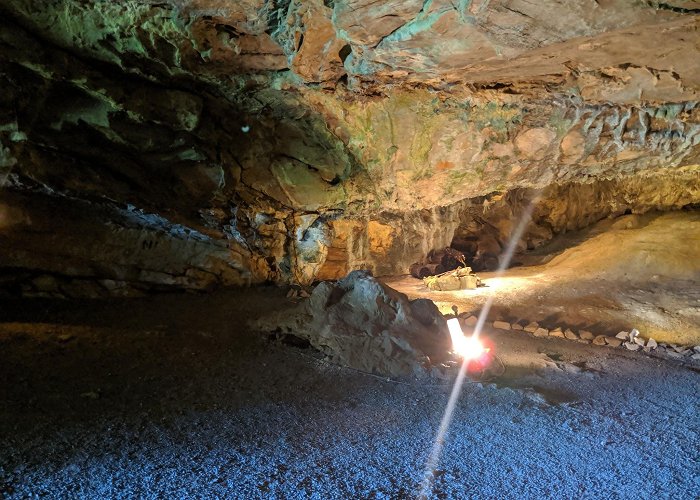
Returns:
<point x="667" y="310"/>
<point x="171" y="396"/>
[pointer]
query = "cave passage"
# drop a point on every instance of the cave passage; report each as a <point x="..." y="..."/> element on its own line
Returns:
<point x="349" y="249"/>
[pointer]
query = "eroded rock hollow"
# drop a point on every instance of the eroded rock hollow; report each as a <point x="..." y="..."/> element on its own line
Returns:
<point x="199" y="143"/>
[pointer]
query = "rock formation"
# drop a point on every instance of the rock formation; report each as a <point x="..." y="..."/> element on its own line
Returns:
<point x="362" y="323"/>
<point x="298" y="140"/>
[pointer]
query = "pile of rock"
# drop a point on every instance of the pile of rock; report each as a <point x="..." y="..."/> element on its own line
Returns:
<point x="459" y="279"/>
<point x="538" y="331"/>
<point x="680" y="352"/>
<point x="363" y="324"/>
<point x="631" y="340"/>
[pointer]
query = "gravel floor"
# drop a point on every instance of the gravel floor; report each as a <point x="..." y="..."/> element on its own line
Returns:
<point x="171" y="397"/>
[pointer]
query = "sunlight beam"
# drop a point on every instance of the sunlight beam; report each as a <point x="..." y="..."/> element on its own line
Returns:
<point x="436" y="451"/>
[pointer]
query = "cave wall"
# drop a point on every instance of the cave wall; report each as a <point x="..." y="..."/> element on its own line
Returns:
<point x="302" y="140"/>
<point x="486" y="223"/>
<point x="70" y="248"/>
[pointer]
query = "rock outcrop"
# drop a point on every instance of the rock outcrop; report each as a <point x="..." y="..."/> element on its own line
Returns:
<point x="362" y="323"/>
<point x="305" y="139"/>
<point x="73" y="242"/>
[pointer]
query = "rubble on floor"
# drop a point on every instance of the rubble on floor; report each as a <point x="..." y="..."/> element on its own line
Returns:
<point x="630" y="340"/>
<point x="459" y="279"/>
<point x="612" y="341"/>
<point x="586" y="335"/>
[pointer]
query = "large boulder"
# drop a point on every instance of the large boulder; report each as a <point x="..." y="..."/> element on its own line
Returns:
<point x="361" y="323"/>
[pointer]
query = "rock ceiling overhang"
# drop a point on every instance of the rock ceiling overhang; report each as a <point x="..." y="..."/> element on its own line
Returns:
<point x="307" y="138"/>
<point x="645" y="51"/>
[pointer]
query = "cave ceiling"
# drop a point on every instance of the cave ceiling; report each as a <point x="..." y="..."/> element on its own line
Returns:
<point x="317" y="136"/>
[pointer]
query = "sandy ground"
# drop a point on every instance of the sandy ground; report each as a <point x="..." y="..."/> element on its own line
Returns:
<point x="638" y="272"/>
<point x="171" y="396"/>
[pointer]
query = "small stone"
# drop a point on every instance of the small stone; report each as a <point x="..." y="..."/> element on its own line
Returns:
<point x="304" y="293"/>
<point x="557" y="333"/>
<point x="622" y="335"/>
<point x="532" y="327"/>
<point x="695" y="357"/>
<point x="541" y="332"/>
<point x="632" y="346"/>
<point x="651" y="344"/>
<point x="639" y="341"/>
<point x="634" y="333"/>
<point x="569" y="334"/>
<point x="586" y="335"/>
<point x="599" y="340"/>
<point x="65" y="337"/>
<point x="696" y="348"/>
<point x="677" y="348"/>
<point x="613" y="341"/>
<point x="584" y="341"/>
<point x="471" y="321"/>
<point x="673" y="354"/>
<point x="501" y="325"/>
<point x="516" y="326"/>
<point x="291" y="293"/>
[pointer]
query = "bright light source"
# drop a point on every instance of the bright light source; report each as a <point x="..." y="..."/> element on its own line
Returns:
<point x="426" y="488"/>
<point x="472" y="348"/>
<point x="467" y="347"/>
<point x="456" y="335"/>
